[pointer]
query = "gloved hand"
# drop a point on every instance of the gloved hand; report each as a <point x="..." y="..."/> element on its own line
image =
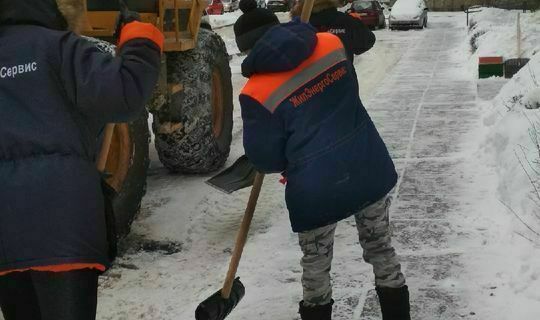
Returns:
<point x="126" y="16"/>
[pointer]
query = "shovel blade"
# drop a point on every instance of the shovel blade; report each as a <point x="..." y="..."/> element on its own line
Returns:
<point x="217" y="308"/>
<point x="238" y="176"/>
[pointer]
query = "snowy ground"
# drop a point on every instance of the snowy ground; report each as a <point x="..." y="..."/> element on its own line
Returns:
<point x="459" y="250"/>
<point x="449" y="227"/>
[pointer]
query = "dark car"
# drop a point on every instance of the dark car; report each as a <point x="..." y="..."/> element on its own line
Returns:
<point x="370" y="12"/>
<point x="278" y="5"/>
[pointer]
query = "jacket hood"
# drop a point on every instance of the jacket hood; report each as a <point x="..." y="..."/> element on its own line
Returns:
<point x="282" y="48"/>
<point x="44" y="13"/>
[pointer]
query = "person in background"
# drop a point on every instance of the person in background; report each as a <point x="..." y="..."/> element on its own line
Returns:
<point x="325" y="17"/>
<point x="57" y="92"/>
<point x="303" y="117"/>
<point x="252" y="24"/>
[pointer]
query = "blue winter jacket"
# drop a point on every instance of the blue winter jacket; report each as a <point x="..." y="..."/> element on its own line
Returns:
<point x="303" y="116"/>
<point x="57" y="91"/>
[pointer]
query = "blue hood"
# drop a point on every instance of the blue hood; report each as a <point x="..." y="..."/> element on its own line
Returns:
<point x="282" y="48"/>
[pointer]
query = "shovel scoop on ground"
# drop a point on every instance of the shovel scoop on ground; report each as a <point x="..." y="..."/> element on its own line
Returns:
<point x="216" y="307"/>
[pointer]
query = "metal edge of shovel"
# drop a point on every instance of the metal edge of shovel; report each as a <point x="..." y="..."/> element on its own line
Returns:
<point x="239" y="175"/>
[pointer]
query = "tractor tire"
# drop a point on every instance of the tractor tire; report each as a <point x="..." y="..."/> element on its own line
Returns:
<point x="127" y="163"/>
<point x="193" y="130"/>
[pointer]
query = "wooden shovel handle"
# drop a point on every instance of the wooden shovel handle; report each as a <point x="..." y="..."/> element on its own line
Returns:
<point x="306" y="10"/>
<point x="518" y="36"/>
<point x="105" y="147"/>
<point x="241" y="237"/>
<point x="85" y="22"/>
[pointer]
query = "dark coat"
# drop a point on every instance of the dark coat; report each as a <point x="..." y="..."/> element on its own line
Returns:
<point x="56" y="93"/>
<point x="356" y="37"/>
<point x="303" y="116"/>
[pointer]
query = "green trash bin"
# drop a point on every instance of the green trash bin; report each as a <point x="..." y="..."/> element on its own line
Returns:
<point x="490" y="67"/>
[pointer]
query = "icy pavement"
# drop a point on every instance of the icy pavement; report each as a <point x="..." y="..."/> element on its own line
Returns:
<point x="425" y="106"/>
<point x="426" y="112"/>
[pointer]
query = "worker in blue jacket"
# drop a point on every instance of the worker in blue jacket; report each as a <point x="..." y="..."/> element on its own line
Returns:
<point x="57" y="91"/>
<point x="325" y="17"/>
<point x="303" y="117"/>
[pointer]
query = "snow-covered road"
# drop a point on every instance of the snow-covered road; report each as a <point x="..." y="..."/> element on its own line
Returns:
<point x="424" y="102"/>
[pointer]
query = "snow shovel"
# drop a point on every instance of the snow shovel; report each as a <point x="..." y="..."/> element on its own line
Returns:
<point x="219" y="305"/>
<point x="242" y="173"/>
<point x="238" y="176"/>
<point x="512" y="66"/>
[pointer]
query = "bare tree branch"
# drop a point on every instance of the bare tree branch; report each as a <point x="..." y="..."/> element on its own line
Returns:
<point x="519" y="218"/>
<point x="528" y="162"/>
<point x="534" y="131"/>
<point x="528" y="175"/>
<point x="524" y="237"/>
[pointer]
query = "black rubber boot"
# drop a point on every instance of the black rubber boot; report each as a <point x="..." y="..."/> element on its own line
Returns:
<point x="323" y="312"/>
<point x="394" y="303"/>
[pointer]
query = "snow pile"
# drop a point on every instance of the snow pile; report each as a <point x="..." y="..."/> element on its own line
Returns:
<point x="512" y="149"/>
<point x="224" y="20"/>
<point x="514" y="138"/>
<point x="493" y="32"/>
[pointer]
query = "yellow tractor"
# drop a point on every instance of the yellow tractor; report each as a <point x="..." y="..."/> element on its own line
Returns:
<point x="192" y="106"/>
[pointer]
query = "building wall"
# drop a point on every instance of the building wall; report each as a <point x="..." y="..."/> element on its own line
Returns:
<point x="456" y="5"/>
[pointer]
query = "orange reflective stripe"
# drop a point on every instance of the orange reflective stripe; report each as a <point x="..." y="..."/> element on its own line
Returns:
<point x="270" y="89"/>
<point x="355" y="15"/>
<point x="136" y="29"/>
<point x="303" y="77"/>
<point x="59" y="268"/>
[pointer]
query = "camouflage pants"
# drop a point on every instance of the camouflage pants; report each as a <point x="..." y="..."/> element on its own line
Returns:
<point x="374" y="232"/>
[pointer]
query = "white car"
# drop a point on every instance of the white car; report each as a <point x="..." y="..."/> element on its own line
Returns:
<point x="230" y="5"/>
<point x="406" y="14"/>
